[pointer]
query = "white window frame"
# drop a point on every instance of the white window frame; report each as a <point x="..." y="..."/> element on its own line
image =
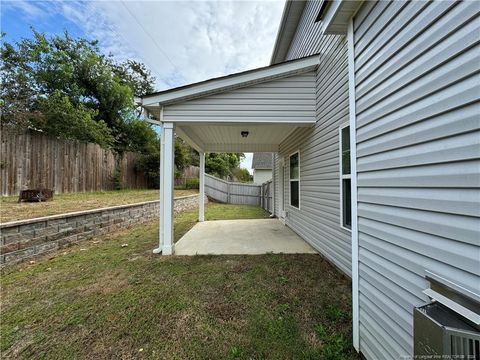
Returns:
<point x="341" y="175"/>
<point x="290" y="180"/>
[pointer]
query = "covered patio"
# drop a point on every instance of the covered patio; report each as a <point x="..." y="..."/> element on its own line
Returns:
<point x="251" y="111"/>
<point x="241" y="237"/>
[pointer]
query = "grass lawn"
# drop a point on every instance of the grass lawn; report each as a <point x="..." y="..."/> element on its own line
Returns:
<point x="101" y="300"/>
<point x="62" y="203"/>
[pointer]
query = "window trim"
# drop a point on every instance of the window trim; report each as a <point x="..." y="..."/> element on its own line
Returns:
<point x="340" y="173"/>
<point x="290" y="180"/>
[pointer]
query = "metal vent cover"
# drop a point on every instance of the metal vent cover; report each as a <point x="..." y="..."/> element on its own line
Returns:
<point x="465" y="345"/>
<point x="439" y="331"/>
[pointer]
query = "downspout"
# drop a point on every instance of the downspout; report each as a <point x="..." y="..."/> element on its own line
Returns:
<point x="353" y="170"/>
<point x="161" y="184"/>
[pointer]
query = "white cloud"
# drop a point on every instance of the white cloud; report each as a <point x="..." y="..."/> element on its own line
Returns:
<point x="29" y="9"/>
<point x="182" y="41"/>
<point x="246" y="162"/>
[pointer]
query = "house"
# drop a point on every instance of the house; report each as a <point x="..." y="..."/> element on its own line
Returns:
<point x="262" y="165"/>
<point x="372" y="111"/>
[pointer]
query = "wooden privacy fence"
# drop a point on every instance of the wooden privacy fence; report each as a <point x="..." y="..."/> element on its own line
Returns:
<point x="33" y="160"/>
<point x="238" y="193"/>
<point x="188" y="178"/>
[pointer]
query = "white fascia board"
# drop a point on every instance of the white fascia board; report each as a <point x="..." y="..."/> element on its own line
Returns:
<point x="338" y="15"/>
<point x="303" y="122"/>
<point x="154" y="122"/>
<point x="233" y="81"/>
<point x="292" y="12"/>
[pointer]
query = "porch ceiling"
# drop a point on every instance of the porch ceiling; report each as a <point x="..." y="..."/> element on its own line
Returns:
<point x="228" y="137"/>
<point x="269" y="103"/>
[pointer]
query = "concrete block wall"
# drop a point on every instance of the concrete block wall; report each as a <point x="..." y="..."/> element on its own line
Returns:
<point x="24" y="239"/>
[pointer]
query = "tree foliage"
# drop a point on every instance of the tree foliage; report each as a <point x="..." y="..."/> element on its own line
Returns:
<point x="243" y="175"/>
<point x="60" y="118"/>
<point x="68" y="88"/>
<point x="182" y="155"/>
<point x="222" y="165"/>
<point x="149" y="164"/>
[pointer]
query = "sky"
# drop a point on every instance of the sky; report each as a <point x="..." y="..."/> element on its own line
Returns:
<point x="180" y="41"/>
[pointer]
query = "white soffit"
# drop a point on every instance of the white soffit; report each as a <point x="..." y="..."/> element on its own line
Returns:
<point x="228" y="138"/>
<point x="338" y="14"/>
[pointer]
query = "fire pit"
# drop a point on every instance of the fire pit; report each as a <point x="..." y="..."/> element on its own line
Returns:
<point x="35" y="195"/>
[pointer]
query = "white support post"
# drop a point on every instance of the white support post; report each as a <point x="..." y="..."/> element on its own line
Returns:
<point x="353" y="171"/>
<point x="161" y="182"/>
<point x="167" y="193"/>
<point x="272" y="188"/>
<point x="201" y="195"/>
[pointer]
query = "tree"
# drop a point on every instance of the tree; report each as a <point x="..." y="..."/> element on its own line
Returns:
<point x="59" y="117"/>
<point x="83" y="85"/>
<point x="149" y="164"/>
<point x="136" y="76"/>
<point x="182" y="155"/>
<point x="222" y="164"/>
<point x="141" y="137"/>
<point x="243" y="175"/>
<point x="17" y="88"/>
<point x="67" y="88"/>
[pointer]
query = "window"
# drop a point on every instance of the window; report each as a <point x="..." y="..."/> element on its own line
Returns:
<point x="295" y="180"/>
<point x="345" y="181"/>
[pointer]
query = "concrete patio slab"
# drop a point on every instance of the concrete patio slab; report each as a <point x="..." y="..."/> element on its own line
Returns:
<point x="239" y="237"/>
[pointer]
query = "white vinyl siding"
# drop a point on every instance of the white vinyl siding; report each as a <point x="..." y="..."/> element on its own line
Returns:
<point x="290" y="99"/>
<point x="418" y="152"/>
<point x="318" y="219"/>
<point x="261" y="175"/>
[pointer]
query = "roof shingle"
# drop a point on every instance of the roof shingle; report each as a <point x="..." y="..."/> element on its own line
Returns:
<point x="262" y="161"/>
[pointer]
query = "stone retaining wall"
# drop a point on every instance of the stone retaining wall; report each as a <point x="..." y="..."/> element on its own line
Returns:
<point x="24" y="239"/>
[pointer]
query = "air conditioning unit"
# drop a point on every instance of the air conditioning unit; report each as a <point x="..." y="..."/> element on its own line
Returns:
<point x="439" y="331"/>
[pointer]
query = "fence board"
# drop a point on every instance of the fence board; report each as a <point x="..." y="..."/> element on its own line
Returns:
<point x="33" y="159"/>
<point x="267" y="196"/>
<point x="238" y="193"/>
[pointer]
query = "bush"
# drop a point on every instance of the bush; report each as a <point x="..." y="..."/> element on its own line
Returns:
<point x="149" y="165"/>
<point x="117" y="178"/>
<point x="192" y="183"/>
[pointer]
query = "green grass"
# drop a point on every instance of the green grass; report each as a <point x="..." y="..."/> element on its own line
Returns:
<point x="11" y="210"/>
<point x="101" y="300"/>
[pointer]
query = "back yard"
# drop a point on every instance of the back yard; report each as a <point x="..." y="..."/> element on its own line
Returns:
<point x="63" y="203"/>
<point x="100" y="299"/>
